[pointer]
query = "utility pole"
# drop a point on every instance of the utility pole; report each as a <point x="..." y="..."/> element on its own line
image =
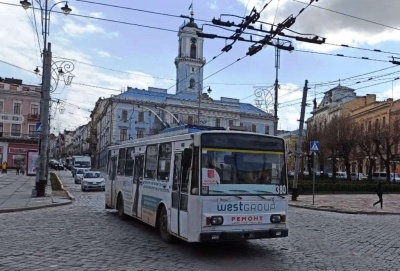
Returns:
<point x="295" y="192"/>
<point x="41" y="181"/>
<point x="277" y="66"/>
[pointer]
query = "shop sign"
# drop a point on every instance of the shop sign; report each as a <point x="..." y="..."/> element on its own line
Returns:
<point x="10" y="118"/>
<point x="17" y="150"/>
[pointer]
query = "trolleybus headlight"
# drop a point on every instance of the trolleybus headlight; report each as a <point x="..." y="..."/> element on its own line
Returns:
<point x="276" y="219"/>
<point x="217" y="220"/>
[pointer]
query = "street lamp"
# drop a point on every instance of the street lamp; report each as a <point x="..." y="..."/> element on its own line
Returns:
<point x="199" y="106"/>
<point x="41" y="178"/>
<point x="264" y="100"/>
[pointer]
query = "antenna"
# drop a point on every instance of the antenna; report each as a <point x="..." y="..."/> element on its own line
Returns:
<point x="155" y="114"/>
<point x="169" y="112"/>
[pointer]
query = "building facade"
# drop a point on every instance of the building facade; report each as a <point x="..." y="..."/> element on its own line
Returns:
<point x="19" y="114"/>
<point x="363" y="110"/>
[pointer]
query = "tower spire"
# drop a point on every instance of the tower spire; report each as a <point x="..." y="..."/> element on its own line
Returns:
<point x="191" y="11"/>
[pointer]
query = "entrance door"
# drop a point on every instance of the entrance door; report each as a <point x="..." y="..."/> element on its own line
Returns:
<point x="110" y="189"/>
<point x="179" y="217"/>
<point x="138" y="185"/>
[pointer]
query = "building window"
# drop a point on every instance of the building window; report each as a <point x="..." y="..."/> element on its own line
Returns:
<point x="190" y="119"/>
<point x="140" y="116"/>
<point x="383" y="121"/>
<point x="34" y="109"/>
<point x="193" y="50"/>
<point x="253" y="128"/>
<point x="267" y="129"/>
<point x="1" y="129"/>
<point x="17" y="108"/>
<point x="1" y="106"/>
<point x="32" y="131"/>
<point x="218" y="122"/>
<point x="123" y="134"/>
<point x="369" y="126"/>
<point x="16" y="130"/>
<point x="176" y="118"/>
<point x="124" y="115"/>
<point x="230" y="123"/>
<point x="192" y="83"/>
<point x="139" y="133"/>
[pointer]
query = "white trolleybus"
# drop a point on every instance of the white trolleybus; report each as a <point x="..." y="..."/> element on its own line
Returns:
<point x="202" y="185"/>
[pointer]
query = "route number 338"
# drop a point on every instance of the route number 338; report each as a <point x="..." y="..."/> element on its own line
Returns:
<point x="280" y="189"/>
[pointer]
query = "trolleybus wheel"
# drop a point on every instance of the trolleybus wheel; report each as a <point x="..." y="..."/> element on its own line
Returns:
<point x="120" y="208"/>
<point x="163" y="226"/>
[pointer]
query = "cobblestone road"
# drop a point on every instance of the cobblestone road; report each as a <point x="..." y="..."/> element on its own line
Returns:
<point x="84" y="236"/>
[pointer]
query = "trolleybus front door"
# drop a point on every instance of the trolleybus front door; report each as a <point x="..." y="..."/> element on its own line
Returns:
<point x="137" y="185"/>
<point x="179" y="198"/>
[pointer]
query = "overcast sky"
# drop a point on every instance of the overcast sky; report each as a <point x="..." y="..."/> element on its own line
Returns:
<point x="109" y="56"/>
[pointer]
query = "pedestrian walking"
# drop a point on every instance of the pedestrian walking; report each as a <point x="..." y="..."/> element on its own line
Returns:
<point x="379" y="192"/>
<point x="17" y="168"/>
<point x="4" y="167"/>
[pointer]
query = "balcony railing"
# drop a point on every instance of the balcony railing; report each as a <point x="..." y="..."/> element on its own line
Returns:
<point x="34" y="117"/>
<point x="13" y="135"/>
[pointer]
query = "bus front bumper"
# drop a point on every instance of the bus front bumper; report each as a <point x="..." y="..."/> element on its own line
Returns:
<point x="242" y="235"/>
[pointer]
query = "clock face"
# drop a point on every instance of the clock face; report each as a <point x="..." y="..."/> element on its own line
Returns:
<point x="193" y="40"/>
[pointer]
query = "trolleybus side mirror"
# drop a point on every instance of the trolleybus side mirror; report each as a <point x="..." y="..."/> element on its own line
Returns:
<point x="186" y="158"/>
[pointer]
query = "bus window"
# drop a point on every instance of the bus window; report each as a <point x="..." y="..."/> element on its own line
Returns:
<point x="129" y="161"/>
<point x="151" y="162"/>
<point x="164" y="162"/>
<point x="121" y="161"/>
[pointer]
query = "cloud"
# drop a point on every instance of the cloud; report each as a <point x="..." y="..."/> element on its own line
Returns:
<point x="102" y="53"/>
<point x="96" y="14"/>
<point x="73" y="28"/>
<point x="212" y="5"/>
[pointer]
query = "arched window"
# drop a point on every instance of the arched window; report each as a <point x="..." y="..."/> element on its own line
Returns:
<point x="192" y="83"/>
<point x="193" y="50"/>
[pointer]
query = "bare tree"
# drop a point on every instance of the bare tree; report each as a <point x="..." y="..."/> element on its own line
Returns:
<point x="367" y="146"/>
<point x="386" y="140"/>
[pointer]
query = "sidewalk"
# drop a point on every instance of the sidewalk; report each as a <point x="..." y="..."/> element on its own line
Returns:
<point x="350" y="203"/>
<point x="16" y="194"/>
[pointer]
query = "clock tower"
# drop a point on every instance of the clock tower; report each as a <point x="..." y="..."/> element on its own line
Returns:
<point x="189" y="62"/>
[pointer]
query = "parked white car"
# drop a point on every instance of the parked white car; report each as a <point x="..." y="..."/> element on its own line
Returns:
<point x="356" y="176"/>
<point x="394" y="177"/>
<point x="79" y="175"/>
<point x="341" y="175"/>
<point x="93" y="180"/>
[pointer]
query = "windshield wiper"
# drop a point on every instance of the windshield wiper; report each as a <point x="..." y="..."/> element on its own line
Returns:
<point x="222" y="192"/>
<point x="270" y="193"/>
<point x="249" y="193"/>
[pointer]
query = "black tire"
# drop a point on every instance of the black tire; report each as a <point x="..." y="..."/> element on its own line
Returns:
<point x="163" y="226"/>
<point x="120" y="208"/>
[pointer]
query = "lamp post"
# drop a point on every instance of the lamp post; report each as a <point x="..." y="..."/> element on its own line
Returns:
<point x="41" y="178"/>
<point x="199" y="105"/>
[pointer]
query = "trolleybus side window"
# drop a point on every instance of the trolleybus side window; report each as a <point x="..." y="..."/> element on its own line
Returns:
<point x="151" y="162"/>
<point x="195" y="173"/>
<point x="121" y="161"/>
<point x="164" y="162"/>
<point x="129" y="161"/>
<point x="176" y="176"/>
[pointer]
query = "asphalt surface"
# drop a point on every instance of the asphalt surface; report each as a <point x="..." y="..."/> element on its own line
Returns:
<point x="85" y="236"/>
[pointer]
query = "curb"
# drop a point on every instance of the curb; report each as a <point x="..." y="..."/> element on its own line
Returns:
<point x="70" y="196"/>
<point x="11" y="210"/>
<point x="342" y="211"/>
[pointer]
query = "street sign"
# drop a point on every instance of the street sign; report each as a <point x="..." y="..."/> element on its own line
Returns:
<point x="38" y="127"/>
<point x="314" y="146"/>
